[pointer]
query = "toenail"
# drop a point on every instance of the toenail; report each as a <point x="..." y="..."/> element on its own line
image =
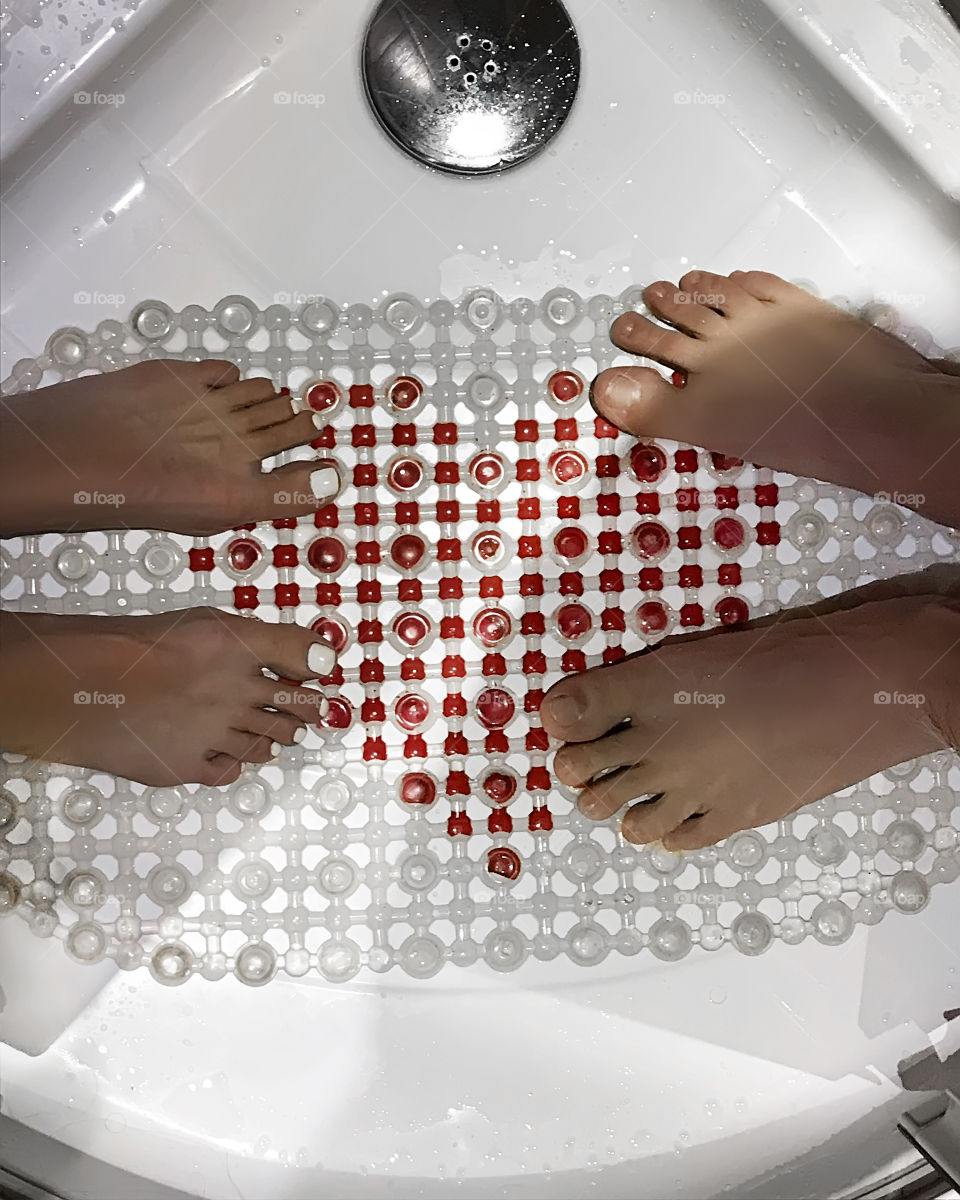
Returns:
<point x="620" y="389"/>
<point x="627" y="324"/>
<point x="324" y="483"/>
<point x="319" y="420"/>
<point x="634" y="816"/>
<point x="323" y="707"/>
<point x="589" y="808"/>
<point x="321" y="659"/>
<point x="630" y="833"/>
<point x="565" y="710"/>
<point x="300" y="734"/>
<point x="275" y="749"/>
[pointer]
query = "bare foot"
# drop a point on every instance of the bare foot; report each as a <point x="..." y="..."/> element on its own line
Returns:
<point x="776" y="376"/>
<point x="160" y="445"/>
<point x="175" y="698"/>
<point x="737" y="729"/>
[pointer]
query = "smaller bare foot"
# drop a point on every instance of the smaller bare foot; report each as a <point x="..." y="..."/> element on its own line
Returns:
<point x="176" y="698"/>
<point x="733" y="730"/>
<point x="160" y="445"/>
<point x="774" y="375"/>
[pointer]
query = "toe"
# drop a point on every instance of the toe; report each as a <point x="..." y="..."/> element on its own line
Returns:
<point x="605" y="796"/>
<point x="639" y="400"/>
<point x="213" y="373"/>
<point x="288" y="650"/>
<point x="697" y="832"/>
<point x="580" y="762"/>
<point x="651" y="819"/>
<point x="639" y="335"/>
<point x="717" y="291"/>
<point x="247" y="392"/>
<point x="305" y="705"/>
<point x="295" y="431"/>
<point x="219" y="770"/>
<point x="242" y="746"/>
<point x="276" y="726"/>
<point x="298" y="488"/>
<point x="764" y="286"/>
<point x="260" y="750"/>
<point x="273" y="411"/>
<point x="588" y="706"/>
<point x="678" y="307"/>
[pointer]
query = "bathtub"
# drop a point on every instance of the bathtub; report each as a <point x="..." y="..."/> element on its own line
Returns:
<point x="146" y="155"/>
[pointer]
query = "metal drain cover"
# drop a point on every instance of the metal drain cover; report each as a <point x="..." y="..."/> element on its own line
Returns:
<point x="471" y="86"/>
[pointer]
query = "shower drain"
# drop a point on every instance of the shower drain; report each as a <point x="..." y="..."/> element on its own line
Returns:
<point x="470" y="87"/>
<point x="493" y="535"/>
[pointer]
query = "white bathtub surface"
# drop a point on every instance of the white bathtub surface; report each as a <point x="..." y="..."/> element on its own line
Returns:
<point x="631" y="1082"/>
<point x="794" y="138"/>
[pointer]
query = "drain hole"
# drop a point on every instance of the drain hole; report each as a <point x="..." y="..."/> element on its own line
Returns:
<point x="463" y="41"/>
<point x="490" y="68"/>
<point x="470" y="77"/>
<point x="453" y="62"/>
<point x="486" y="44"/>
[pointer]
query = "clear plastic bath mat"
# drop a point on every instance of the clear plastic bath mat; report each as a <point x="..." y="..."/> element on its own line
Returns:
<point x="492" y="535"/>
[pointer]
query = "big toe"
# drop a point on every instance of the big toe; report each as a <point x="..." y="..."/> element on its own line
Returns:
<point x="289" y="650"/>
<point x="638" y="400"/>
<point x="588" y="706"/>
<point x="297" y="488"/>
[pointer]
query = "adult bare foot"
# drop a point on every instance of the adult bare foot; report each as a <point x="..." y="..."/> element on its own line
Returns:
<point x="737" y="729"/>
<point x="175" y="698"/>
<point x="776" y="376"/>
<point x="160" y="445"/>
